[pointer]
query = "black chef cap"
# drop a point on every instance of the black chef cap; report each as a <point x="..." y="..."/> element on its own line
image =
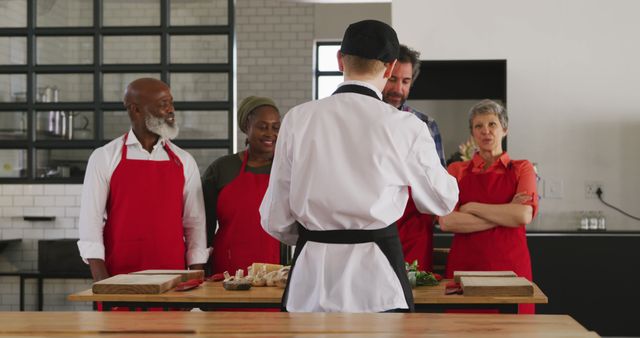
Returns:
<point x="371" y="39"/>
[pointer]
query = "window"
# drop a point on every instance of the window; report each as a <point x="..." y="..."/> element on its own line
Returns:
<point x="327" y="74"/>
<point x="64" y="65"/>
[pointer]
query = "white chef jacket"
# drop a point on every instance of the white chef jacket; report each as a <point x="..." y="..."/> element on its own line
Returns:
<point x="346" y="162"/>
<point x="95" y="192"/>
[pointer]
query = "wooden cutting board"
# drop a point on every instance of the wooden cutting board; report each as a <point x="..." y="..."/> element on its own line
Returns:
<point x="496" y="286"/>
<point x="185" y="274"/>
<point x="136" y="284"/>
<point x="458" y="274"/>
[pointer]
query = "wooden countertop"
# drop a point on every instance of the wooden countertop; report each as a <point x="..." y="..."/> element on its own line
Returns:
<point x="229" y="324"/>
<point x="213" y="292"/>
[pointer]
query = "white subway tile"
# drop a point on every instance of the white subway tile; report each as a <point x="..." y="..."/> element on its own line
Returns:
<point x="265" y="11"/>
<point x="44" y="201"/>
<point x="6" y="201"/>
<point x="19" y="223"/>
<point x="297" y="11"/>
<point x="71" y="233"/>
<point x="33" y="189"/>
<point x="15" y="288"/>
<point x="70" y="288"/>
<point x="54" y="189"/>
<point x="8" y="299"/>
<point x="72" y="211"/>
<point x="65" y="201"/>
<point x="280" y="12"/>
<point x="65" y="224"/>
<point x="12" y="212"/>
<point x="33" y="211"/>
<point x="55" y="211"/>
<point x="73" y="189"/>
<point x="33" y="233"/>
<point x="53" y="233"/>
<point x="47" y="288"/>
<point x="23" y="201"/>
<point x="11" y="233"/>
<point x="12" y="189"/>
<point x="58" y="287"/>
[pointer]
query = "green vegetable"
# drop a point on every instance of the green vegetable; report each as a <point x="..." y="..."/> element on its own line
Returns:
<point x="422" y="278"/>
<point x="426" y="278"/>
<point x="411" y="267"/>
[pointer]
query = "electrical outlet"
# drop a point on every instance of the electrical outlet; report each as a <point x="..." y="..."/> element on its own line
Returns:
<point x="590" y="189"/>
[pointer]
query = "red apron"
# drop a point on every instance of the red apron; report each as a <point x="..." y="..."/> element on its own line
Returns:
<point x="240" y="240"/>
<point x="499" y="248"/>
<point x="144" y="208"/>
<point x="416" y="234"/>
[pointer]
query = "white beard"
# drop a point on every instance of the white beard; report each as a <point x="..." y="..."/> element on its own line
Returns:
<point x="160" y="127"/>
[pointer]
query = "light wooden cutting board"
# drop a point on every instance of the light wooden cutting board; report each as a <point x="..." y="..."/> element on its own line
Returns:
<point x="136" y="284"/>
<point x="496" y="286"/>
<point x="185" y="274"/>
<point x="458" y="274"/>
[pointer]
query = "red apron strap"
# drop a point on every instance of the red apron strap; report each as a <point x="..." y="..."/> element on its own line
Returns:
<point x="124" y="147"/>
<point x="245" y="159"/>
<point x="172" y="156"/>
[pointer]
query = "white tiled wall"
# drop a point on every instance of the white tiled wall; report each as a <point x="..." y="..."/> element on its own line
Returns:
<point x="16" y="201"/>
<point x="274" y="45"/>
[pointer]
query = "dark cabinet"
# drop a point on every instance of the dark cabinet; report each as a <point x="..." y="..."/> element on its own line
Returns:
<point x="593" y="277"/>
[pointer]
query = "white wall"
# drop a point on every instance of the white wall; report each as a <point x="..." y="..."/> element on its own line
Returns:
<point x="332" y="19"/>
<point x="572" y="82"/>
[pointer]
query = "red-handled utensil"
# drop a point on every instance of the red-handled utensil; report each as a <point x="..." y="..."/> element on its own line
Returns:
<point x="216" y="277"/>
<point x="188" y="285"/>
<point x="453" y="288"/>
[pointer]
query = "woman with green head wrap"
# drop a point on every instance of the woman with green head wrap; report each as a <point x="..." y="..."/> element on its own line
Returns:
<point x="234" y="186"/>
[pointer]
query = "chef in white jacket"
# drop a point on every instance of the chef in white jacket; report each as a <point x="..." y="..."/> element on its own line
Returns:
<point x="340" y="178"/>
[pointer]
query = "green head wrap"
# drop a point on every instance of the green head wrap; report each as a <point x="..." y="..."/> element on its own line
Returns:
<point x="248" y="105"/>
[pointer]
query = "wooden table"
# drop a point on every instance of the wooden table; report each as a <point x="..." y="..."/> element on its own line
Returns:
<point x="230" y="324"/>
<point x="212" y="295"/>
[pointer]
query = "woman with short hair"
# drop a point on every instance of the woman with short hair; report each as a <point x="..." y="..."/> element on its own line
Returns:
<point x="498" y="198"/>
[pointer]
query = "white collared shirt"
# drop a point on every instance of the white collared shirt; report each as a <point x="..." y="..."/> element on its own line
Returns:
<point x="95" y="192"/>
<point x="346" y="162"/>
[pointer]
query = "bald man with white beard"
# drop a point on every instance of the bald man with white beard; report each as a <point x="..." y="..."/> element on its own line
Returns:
<point x="142" y="205"/>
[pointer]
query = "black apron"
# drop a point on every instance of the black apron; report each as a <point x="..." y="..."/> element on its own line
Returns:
<point x="386" y="239"/>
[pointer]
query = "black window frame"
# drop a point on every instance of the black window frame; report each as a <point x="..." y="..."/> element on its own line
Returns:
<point x="318" y="74"/>
<point x="97" y="69"/>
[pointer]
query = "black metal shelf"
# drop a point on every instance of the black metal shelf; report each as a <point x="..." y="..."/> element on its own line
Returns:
<point x="31" y="143"/>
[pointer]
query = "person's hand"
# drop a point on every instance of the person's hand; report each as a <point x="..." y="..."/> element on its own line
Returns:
<point x="522" y="197"/>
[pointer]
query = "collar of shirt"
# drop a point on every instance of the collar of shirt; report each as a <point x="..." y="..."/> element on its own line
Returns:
<point x="133" y="140"/>
<point x="478" y="162"/>
<point x="422" y="116"/>
<point x="364" y="84"/>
